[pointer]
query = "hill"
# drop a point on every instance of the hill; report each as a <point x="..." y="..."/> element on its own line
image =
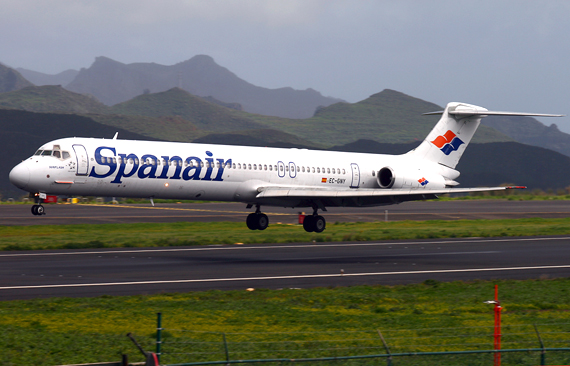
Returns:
<point x="388" y="116"/>
<point x="39" y="78"/>
<point x="50" y="98"/>
<point x="113" y="82"/>
<point x="180" y="103"/>
<point x="531" y="132"/>
<point x="11" y="79"/>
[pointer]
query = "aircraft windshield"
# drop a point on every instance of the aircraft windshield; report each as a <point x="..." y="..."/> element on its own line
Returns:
<point x="62" y="155"/>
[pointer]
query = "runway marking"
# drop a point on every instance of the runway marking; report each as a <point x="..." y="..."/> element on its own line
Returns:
<point x="282" y="277"/>
<point x="274" y="247"/>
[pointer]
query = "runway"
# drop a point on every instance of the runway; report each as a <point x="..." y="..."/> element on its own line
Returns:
<point x="26" y="275"/>
<point x="236" y="212"/>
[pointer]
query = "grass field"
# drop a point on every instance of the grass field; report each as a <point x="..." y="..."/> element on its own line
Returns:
<point x="194" y="233"/>
<point x="291" y="323"/>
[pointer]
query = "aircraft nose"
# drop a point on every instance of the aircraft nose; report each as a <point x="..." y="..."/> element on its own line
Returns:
<point x="20" y="176"/>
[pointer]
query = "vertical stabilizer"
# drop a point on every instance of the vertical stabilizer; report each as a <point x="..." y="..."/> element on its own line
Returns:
<point x="447" y="141"/>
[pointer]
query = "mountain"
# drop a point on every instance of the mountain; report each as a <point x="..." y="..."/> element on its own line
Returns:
<point x="113" y="82"/>
<point x="11" y="79"/>
<point x="531" y="132"/>
<point x="39" y="78"/>
<point x="177" y="102"/>
<point x="263" y="137"/>
<point x="50" y="98"/>
<point x="388" y="116"/>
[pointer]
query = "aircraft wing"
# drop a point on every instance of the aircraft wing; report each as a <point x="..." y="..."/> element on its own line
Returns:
<point x="360" y="196"/>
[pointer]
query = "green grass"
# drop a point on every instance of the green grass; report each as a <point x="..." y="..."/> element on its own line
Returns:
<point x="302" y="323"/>
<point x="197" y="233"/>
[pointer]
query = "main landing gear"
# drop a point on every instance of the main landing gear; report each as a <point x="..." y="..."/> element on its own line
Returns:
<point x="257" y="220"/>
<point x="314" y="223"/>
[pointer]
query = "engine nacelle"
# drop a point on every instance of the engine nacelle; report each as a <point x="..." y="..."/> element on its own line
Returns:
<point x="389" y="177"/>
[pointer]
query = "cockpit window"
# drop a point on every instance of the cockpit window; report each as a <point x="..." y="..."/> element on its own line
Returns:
<point x="65" y="155"/>
<point x="46" y="153"/>
<point x="57" y="154"/>
<point x="39" y="152"/>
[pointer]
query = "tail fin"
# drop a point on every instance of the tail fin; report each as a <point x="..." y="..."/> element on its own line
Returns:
<point x="449" y="138"/>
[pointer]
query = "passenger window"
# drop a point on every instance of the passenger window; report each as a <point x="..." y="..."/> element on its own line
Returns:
<point x="234" y="166"/>
<point x="270" y="167"/>
<point x="249" y="166"/>
<point x="313" y="169"/>
<point x="281" y="168"/>
<point x="318" y="170"/>
<point x="265" y="167"/>
<point x="57" y="154"/>
<point x="333" y="171"/>
<point x="254" y="166"/>
<point x="343" y="171"/>
<point x="303" y="169"/>
<point x="328" y="170"/>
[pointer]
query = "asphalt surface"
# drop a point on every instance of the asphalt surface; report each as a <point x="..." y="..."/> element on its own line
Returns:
<point x="77" y="273"/>
<point x="205" y="212"/>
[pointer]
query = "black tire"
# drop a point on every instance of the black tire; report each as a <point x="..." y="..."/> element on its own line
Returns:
<point x="251" y="221"/>
<point x="262" y="221"/>
<point x="41" y="210"/>
<point x="308" y="224"/>
<point x="34" y="210"/>
<point x="319" y="224"/>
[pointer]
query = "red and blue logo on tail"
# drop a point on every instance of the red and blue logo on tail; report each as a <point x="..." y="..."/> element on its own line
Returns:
<point x="447" y="142"/>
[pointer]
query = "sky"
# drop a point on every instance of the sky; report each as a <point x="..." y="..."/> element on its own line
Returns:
<point x="511" y="55"/>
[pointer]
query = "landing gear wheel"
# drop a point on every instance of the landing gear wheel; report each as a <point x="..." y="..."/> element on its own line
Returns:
<point x="308" y="224"/>
<point x="262" y="221"/>
<point x="257" y="221"/>
<point x="314" y="223"/>
<point x="319" y="224"/>
<point x="250" y="222"/>
<point x="38" y="210"/>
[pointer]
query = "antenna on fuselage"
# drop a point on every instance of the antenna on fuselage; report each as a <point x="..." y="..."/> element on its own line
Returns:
<point x="116" y="135"/>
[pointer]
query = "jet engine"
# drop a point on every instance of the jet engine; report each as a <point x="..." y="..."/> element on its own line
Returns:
<point x="389" y="177"/>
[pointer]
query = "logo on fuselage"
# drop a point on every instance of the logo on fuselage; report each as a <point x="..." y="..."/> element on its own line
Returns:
<point x="127" y="165"/>
<point x="447" y="142"/>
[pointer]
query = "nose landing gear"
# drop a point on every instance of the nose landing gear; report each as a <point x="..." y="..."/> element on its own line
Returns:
<point x="38" y="210"/>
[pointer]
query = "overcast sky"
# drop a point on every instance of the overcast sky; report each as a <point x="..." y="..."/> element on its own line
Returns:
<point x="503" y="55"/>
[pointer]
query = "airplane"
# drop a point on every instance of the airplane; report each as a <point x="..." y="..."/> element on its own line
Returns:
<point x="256" y="176"/>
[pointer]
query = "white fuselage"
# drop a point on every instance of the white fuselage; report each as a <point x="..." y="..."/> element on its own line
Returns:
<point x="125" y="168"/>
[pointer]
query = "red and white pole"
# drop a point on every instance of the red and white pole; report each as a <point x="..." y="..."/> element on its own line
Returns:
<point x="497" y="335"/>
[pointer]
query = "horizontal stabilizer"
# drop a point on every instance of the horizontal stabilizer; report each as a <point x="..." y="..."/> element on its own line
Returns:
<point x="492" y="113"/>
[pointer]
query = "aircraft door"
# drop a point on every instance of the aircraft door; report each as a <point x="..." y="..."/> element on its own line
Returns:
<point x="355" y="176"/>
<point x="281" y="169"/>
<point x="292" y="170"/>
<point x="82" y="160"/>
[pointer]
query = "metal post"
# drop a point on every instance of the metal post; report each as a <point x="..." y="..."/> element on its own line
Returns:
<point x="497" y="336"/>
<point x="385" y="215"/>
<point x="158" y="335"/>
<point x="226" y="348"/>
<point x="543" y="352"/>
<point x="389" y="359"/>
